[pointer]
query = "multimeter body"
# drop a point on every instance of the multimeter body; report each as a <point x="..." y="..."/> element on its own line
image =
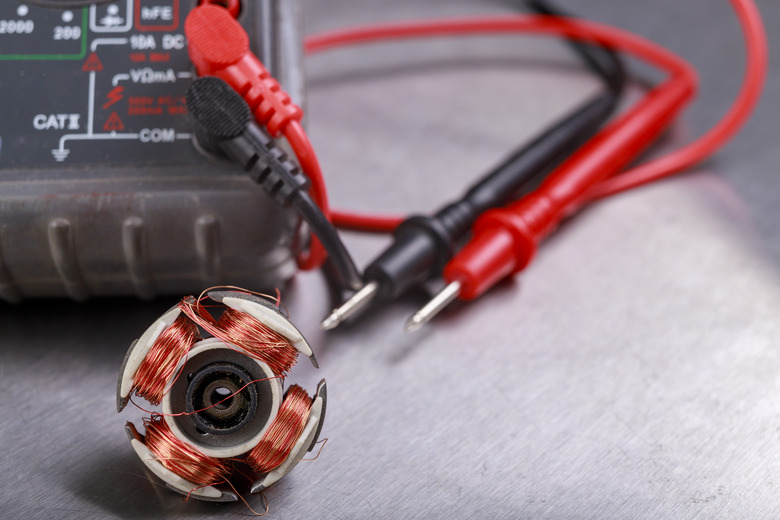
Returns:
<point x="102" y="189"/>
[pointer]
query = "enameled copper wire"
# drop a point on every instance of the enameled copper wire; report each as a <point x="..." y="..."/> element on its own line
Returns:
<point x="259" y="340"/>
<point x="256" y="340"/>
<point x="157" y="368"/>
<point x="247" y="333"/>
<point x="180" y="458"/>
<point x="280" y="438"/>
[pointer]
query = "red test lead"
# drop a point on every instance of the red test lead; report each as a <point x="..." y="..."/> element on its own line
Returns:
<point x="505" y="239"/>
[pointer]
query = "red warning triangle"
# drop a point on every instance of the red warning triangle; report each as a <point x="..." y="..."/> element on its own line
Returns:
<point x="93" y="63"/>
<point x="113" y="123"/>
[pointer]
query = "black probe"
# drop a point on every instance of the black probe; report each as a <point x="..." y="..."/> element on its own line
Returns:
<point x="225" y="125"/>
<point x="422" y="245"/>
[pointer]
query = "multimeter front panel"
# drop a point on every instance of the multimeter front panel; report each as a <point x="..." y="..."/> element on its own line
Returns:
<point x="102" y="189"/>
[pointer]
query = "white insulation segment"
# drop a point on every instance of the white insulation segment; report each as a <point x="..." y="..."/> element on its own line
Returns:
<point x="142" y="347"/>
<point x="272" y="319"/>
<point x="300" y="448"/>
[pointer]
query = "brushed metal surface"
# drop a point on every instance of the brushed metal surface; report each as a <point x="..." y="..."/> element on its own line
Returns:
<point x="631" y="372"/>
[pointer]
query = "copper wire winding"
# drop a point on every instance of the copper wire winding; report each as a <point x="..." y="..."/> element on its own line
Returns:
<point x="256" y="340"/>
<point x="160" y="362"/>
<point x="246" y="333"/>
<point x="280" y="438"/>
<point x="181" y="458"/>
<point x="261" y="342"/>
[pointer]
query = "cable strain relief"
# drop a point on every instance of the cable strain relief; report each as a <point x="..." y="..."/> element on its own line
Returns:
<point x="436" y="229"/>
<point x="270" y="104"/>
<point x="454" y="221"/>
<point x="528" y="220"/>
<point x="420" y="250"/>
<point x="267" y="164"/>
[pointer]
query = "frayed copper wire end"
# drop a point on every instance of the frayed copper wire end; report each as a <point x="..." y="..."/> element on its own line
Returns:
<point x="160" y="362"/>
<point x="280" y="438"/>
<point x="322" y="443"/>
<point x="262" y="497"/>
<point x="246" y="333"/>
<point x="185" y="461"/>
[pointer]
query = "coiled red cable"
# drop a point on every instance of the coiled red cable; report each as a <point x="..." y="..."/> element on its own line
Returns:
<point x="730" y="123"/>
<point x="286" y="117"/>
<point x="757" y="58"/>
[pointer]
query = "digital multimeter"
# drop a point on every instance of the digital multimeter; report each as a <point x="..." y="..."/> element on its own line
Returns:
<point x="102" y="189"/>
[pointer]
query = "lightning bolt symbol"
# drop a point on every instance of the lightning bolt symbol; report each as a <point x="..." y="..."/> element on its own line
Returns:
<point x="114" y="96"/>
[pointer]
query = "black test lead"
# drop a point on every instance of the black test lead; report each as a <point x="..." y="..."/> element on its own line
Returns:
<point x="422" y="245"/>
<point x="504" y="240"/>
<point x="225" y="125"/>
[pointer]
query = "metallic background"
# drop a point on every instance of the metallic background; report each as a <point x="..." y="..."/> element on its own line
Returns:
<point x="631" y="372"/>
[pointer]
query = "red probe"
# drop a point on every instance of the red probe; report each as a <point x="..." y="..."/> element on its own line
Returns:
<point x="702" y="147"/>
<point x="219" y="46"/>
<point x="505" y="240"/>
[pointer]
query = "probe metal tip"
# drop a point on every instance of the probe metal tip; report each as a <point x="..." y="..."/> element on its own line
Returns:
<point x="415" y="322"/>
<point x="351" y="306"/>
<point x="433" y="307"/>
<point x="331" y="322"/>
